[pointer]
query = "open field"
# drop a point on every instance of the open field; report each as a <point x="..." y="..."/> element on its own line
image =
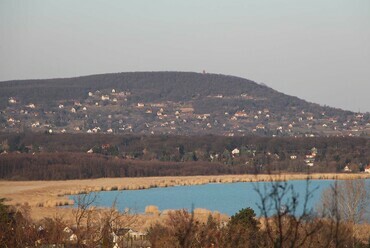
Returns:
<point x="44" y="196"/>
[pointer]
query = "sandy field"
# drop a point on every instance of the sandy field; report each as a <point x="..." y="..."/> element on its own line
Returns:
<point x="44" y="196"/>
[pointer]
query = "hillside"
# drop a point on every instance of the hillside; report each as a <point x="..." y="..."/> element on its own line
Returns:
<point x="167" y="102"/>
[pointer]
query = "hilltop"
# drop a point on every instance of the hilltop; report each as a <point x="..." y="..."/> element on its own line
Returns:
<point x="182" y="103"/>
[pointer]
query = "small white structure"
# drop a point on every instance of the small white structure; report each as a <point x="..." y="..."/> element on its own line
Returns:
<point x="73" y="110"/>
<point x="31" y="105"/>
<point x="347" y="169"/>
<point x="12" y="100"/>
<point x="61" y="106"/>
<point x="73" y="238"/>
<point x="105" y="97"/>
<point x="235" y="152"/>
<point x="91" y="94"/>
<point x="367" y="169"/>
<point x="293" y="157"/>
<point x="113" y="91"/>
<point x="110" y="130"/>
<point x="67" y="230"/>
<point x="240" y="114"/>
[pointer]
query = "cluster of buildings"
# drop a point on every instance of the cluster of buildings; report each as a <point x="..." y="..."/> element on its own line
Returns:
<point x="115" y="112"/>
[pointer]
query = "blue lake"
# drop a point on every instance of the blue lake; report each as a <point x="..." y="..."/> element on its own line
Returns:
<point x="227" y="198"/>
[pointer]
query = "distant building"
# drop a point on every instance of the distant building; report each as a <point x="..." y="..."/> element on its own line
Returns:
<point x="347" y="169"/>
<point x="104" y="97"/>
<point x="12" y="100"/>
<point x="235" y="152"/>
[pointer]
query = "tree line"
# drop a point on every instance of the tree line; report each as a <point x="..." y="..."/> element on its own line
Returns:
<point x="76" y="156"/>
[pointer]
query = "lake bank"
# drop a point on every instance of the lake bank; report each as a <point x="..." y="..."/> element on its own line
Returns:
<point x="44" y="196"/>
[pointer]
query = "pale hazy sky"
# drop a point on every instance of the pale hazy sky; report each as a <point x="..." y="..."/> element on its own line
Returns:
<point x="318" y="50"/>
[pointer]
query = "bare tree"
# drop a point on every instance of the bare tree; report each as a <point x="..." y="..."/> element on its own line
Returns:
<point x="83" y="215"/>
<point x="284" y="225"/>
<point x="346" y="202"/>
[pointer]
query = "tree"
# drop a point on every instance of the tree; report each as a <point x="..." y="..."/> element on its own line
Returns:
<point x="346" y="201"/>
<point x="284" y="225"/>
<point x="246" y="218"/>
<point x="242" y="230"/>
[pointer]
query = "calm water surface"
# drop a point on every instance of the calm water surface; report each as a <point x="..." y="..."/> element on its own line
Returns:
<point x="226" y="198"/>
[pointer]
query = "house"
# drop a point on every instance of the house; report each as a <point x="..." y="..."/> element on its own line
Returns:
<point x="127" y="233"/>
<point x="235" y="152"/>
<point x="140" y="105"/>
<point x="293" y="157"/>
<point x="91" y="94"/>
<point x="110" y="130"/>
<point x="104" y="97"/>
<point x="73" y="110"/>
<point x="260" y="126"/>
<point x="347" y="169"/>
<point x="240" y="114"/>
<point x="12" y="100"/>
<point x="31" y="105"/>
<point x="61" y="106"/>
<point x="367" y="169"/>
<point x="36" y="124"/>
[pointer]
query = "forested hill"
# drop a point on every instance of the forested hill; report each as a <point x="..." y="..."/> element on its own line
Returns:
<point x="154" y="87"/>
<point x="167" y="103"/>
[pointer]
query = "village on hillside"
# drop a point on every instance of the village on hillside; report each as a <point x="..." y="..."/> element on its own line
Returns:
<point x="114" y="112"/>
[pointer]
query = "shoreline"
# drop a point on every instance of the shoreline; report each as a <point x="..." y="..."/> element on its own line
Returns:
<point x="46" y="196"/>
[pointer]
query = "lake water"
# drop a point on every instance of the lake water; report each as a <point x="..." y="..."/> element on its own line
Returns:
<point x="226" y="198"/>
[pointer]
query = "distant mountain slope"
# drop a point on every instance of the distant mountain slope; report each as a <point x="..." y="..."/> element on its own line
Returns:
<point x="159" y="86"/>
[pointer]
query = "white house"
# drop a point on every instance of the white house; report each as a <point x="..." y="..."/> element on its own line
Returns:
<point x="347" y="169"/>
<point x="12" y="100"/>
<point x="367" y="169"/>
<point x="105" y="97"/>
<point x="235" y="152"/>
<point x="31" y="105"/>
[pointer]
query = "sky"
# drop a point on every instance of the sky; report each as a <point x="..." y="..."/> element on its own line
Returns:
<point x="318" y="50"/>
